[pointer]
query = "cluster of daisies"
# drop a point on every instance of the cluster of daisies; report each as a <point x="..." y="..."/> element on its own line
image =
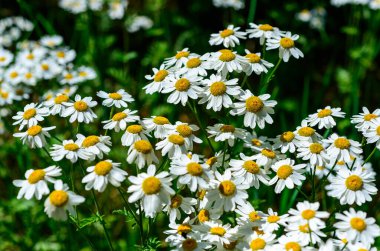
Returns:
<point x="316" y="17"/>
<point x="115" y="8"/>
<point x="11" y="29"/>
<point x="372" y="4"/>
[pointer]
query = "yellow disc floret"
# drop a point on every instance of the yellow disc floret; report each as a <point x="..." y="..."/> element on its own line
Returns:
<point x="258" y="244"/>
<point x="227" y="188"/>
<point x="115" y="96"/>
<point x="36" y="175"/>
<point x="324" y="113"/>
<point x="342" y="143"/>
<point x="143" y="146"/>
<point x="80" y="106"/>
<point x="287" y="42"/>
<point x="251" y="167"/>
<point x="58" y="198"/>
<point x="254" y="104"/>
<point x="284" y="171"/>
<point x="287" y="136"/>
<point x="182" y="85"/>
<point x="354" y="183"/>
<point x="194" y="168"/>
<point x="90" y="141"/>
<point x="34" y="130"/>
<point x="151" y="185"/>
<point x="308" y="214"/>
<point x="30" y="113"/>
<point x="160" y="75"/>
<point x="218" y="231"/>
<point x="358" y="224"/>
<point x="102" y="168"/>
<point x="218" y="88"/>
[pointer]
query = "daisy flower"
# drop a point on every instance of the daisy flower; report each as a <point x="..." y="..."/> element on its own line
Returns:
<point x="184" y="229"/>
<point x="86" y="73"/>
<point x="70" y="150"/>
<point x="364" y="120"/>
<point x="341" y="148"/>
<point x="141" y="152"/>
<point x="104" y="172"/>
<point x="95" y="145"/>
<point x="63" y="55"/>
<point x="187" y="132"/>
<point x="34" y="136"/>
<point x="267" y="156"/>
<point x="217" y="92"/>
<point x="13" y="75"/>
<point x="286" y="44"/>
<point x="178" y="202"/>
<point x="223" y="132"/>
<point x="48" y="69"/>
<point x="313" y="152"/>
<point x="360" y="246"/>
<point x="157" y="124"/>
<point x="158" y="80"/>
<point x="287" y="174"/>
<point x="256" y="143"/>
<point x="195" y="66"/>
<point x="372" y="133"/>
<point x="69" y="77"/>
<point x="354" y="186"/>
<point x="285" y="142"/>
<point x="6" y="57"/>
<point x="182" y="88"/>
<point x="216" y="233"/>
<point x="227" y="192"/>
<point x="307" y="212"/>
<point x="51" y="41"/>
<point x="152" y="189"/>
<point x="262" y="242"/>
<point x="32" y="114"/>
<point x="118" y="99"/>
<point x="304" y="232"/>
<point x="56" y="105"/>
<point x="36" y="183"/>
<point x="249" y="218"/>
<point x="272" y="221"/>
<point x="256" y="109"/>
<point x="262" y="31"/>
<point x="306" y="133"/>
<point x="179" y="59"/>
<point x="225" y="61"/>
<point x="287" y="243"/>
<point x="216" y="161"/>
<point x="60" y="200"/>
<point x="80" y="110"/>
<point x="249" y="170"/>
<point x="132" y="134"/>
<point x="228" y="37"/>
<point x="256" y="64"/>
<point x="191" y="172"/>
<point x="193" y="243"/>
<point x="324" y="118"/>
<point x="173" y="145"/>
<point x="30" y="58"/>
<point x="119" y="120"/>
<point x="357" y="226"/>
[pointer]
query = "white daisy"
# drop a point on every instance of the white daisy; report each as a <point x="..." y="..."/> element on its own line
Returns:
<point x="86" y="73"/>
<point x="363" y="120"/>
<point x="63" y="55"/>
<point x="249" y="221"/>
<point x="6" y="57"/>
<point x="262" y="242"/>
<point x="158" y="79"/>
<point x="285" y="142"/>
<point x="36" y="183"/>
<point x="304" y="232"/>
<point x="51" y="41"/>
<point x="184" y="229"/>
<point x="360" y="246"/>
<point x="216" y="233"/>
<point x="152" y="189"/>
<point x="157" y="124"/>
<point x="341" y="148"/>
<point x="132" y="134"/>
<point x="178" y="202"/>
<point x="287" y="243"/>
<point x="194" y="243"/>
<point x="80" y="110"/>
<point x="56" y="104"/>
<point x="32" y="115"/>
<point x="313" y="152"/>
<point x="187" y="132"/>
<point x="141" y="152"/>
<point x="267" y="156"/>
<point x="226" y="61"/>
<point x="228" y="37"/>
<point x="372" y="133"/>
<point x="256" y="143"/>
<point x="223" y="132"/>
<point x="307" y="212"/>
<point x="218" y="91"/>
<point x="13" y="75"/>
<point x="34" y="136"/>
<point x="179" y="59"/>
<point x="287" y="174"/>
<point x="262" y="31"/>
<point x="60" y="200"/>
<point x="173" y="145"/>
<point x="256" y="64"/>
<point x="256" y="109"/>
<point x="272" y="221"/>
<point x="325" y="117"/>
<point x="95" y="145"/>
<point x="286" y="44"/>
<point x="48" y="69"/>
<point x="120" y="120"/>
<point x="70" y="150"/>
<point x="104" y="172"/>
<point x="118" y="99"/>
<point x="195" y="66"/>
<point x="306" y="133"/>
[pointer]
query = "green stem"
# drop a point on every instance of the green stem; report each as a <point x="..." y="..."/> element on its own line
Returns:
<point x="127" y="205"/>
<point x="110" y="117"/>
<point x="313" y="181"/>
<point x="328" y="174"/>
<point x="141" y="223"/>
<point x="252" y="11"/>
<point x="264" y="87"/>
<point x="370" y="156"/>
<point x="300" y="191"/>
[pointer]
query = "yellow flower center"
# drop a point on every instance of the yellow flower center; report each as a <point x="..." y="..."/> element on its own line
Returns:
<point x="184" y="130"/>
<point x="230" y="246"/>
<point x="13" y="74"/>
<point x="304" y="228"/>
<point x="316" y="148"/>
<point x="324" y="113"/>
<point x="71" y="147"/>
<point x="184" y="229"/>
<point x="218" y="231"/>
<point x="292" y="246"/>
<point x="256" y="142"/>
<point x="354" y="183"/>
<point x="308" y="214"/>
<point x="370" y="116"/>
<point x="193" y="63"/>
<point x="182" y="54"/>
<point x="358" y="224"/>
<point x="226" y="33"/>
<point x="257" y="244"/>
<point x="227" y="188"/>
<point x="30" y="56"/>
<point x="342" y="143"/>
<point x="34" y="130"/>
<point x="80" y="106"/>
<point x="189" y="245"/>
<point x="254" y="104"/>
<point x="268" y="153"/>
<point x="218" y="88"/>
<point x="176" y="139"/>
<point x="115" y="96"/>
<point x="159" y="120"/>
<point x="28" y="75"/>
<point x="273" y="218"/>
<point x="59" y="198"/>
<point x="251" y="166"/>
<point x="30" y="113"/>
<point x="61" y="98"/>
<point x="69" y="76"/>
<point x="253" y="58"/>
<point x="378" y="130"/>
<point x="160" y="75"/>
<point x="344" y="240"/>
<point x="287" y="136"/>
<point x="45" y="67"/>
<point x="265" y="27"/>
<point x="203" y="215"/>
<point x="254" y="216"/>
<point x="320" y="168"/>
<point x="257" y="230"/>
<point x="226" y="55"/>
<point x="362" y="249"/>
<point x="119" y="116"/>
<point x="134" y="129"/>
<point x="182" y="85"/>
<point x="286" y="42"/>
<point x="201" y="194"/>
<point x="176" y="201"/>
<point x="211" y="161"/>
<point x="2" y="59"/>
<point x="90" y="141"/>
<point x="151" y="185"/>
<point x="306" y="131"/>
<point x="36" y="176"/>
<point x="60" y="54"/>
<point x="284" y="171"/>
<point x="227" y="128"/>
<point x="83" y="74"/>
<point x="102" y="168"/>
<point x="143" y="146"/>
<point x="194" y="169"/>
<point x="4" y="94"/>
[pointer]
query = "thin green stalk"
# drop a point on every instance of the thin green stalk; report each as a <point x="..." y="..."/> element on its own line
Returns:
<point x="300" y="191"/>
<point x="264" y="86"/>
<point x="370" y="156"/>
<point x="313" y="181"/>
<point x="328" y="174"/>
<point x="224" y="153"/>
<point x="252" y="11"/>
<point x="110" y="117"/>
<point x="128" y="205"/>
<point x="141" y="224"/>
